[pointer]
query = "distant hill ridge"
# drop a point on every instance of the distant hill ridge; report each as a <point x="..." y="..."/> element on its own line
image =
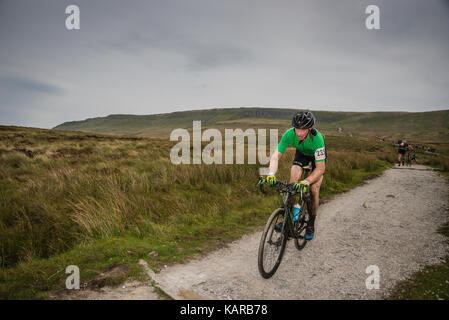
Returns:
<point x="127" y="123"/>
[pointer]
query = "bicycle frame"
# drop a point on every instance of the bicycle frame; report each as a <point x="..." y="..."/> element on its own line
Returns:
<point x="287" y="190"/>
<point x="408" y="160"/>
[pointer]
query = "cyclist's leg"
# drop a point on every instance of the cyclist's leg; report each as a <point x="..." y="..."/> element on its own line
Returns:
<point x="315" y="193"/>
<point x="401" y="157"/>
<point x="314" y="204"/>
<point x="295" y="173"/>
<point x="298" y="162"/>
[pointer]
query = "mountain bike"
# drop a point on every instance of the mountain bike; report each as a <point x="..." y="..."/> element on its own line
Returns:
<point x="280" y="227"/>
<point x="410" y="158"/>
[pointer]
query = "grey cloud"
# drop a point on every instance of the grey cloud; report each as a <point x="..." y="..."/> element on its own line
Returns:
<point x="200" y="54"/>
<point x="152" y="56"/>
<point x="217" y="55"/>
<point x="27" y="86"/>
<point x="20" y="99"/>
<point x="197" y="30"/>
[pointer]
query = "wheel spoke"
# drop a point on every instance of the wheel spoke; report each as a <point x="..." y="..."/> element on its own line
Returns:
<point x="272" y="247"/>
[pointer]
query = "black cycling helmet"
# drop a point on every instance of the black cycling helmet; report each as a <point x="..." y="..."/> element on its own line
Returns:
<point x="303" y="120"/>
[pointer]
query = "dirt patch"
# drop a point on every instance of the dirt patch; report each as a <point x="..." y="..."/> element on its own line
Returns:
<point x="4" y="151"/>
<point x="129" y="290"/>
<point x="26" y="152"/>
<point x="74" y="152"/>
<point x="114" y="271"/>
<point x="101" y="289"/>
<point x="190" y="295"/>
<point x="107" y="276"/>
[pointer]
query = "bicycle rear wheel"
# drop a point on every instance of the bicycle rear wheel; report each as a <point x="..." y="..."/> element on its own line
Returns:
<point x="272" y="244"/>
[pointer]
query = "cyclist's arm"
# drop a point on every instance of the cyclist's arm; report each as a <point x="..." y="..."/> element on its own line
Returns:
<point x="274" y="162"/>
<point x="320" y="163"/>
<point x="282" y="146"/>
<point x="317" y="173"/>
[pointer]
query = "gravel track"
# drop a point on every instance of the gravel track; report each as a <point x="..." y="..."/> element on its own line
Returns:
<point x="390" y="222"/>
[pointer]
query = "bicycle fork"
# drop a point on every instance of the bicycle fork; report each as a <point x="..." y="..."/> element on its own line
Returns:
<point x="289" y="232"/>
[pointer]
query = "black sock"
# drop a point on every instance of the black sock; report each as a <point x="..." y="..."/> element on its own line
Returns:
<point x="312" y="221"/>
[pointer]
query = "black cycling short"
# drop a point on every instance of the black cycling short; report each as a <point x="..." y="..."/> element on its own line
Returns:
<point x="303" y="160"/>
<point x="401" y="151"/>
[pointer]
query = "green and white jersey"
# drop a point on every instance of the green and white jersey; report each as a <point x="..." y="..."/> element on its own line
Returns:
<point x="312" y="147"/>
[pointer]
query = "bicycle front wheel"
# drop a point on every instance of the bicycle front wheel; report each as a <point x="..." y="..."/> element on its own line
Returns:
<point x="272" y="244"/>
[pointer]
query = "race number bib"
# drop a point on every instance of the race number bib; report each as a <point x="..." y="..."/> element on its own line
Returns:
<point x="320" y="154"/>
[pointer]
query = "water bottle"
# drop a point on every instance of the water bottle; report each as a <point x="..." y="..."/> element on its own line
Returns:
<point x="296" y="212"/>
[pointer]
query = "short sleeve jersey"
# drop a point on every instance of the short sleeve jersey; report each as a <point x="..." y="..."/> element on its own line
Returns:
<point x="312" y="147"/>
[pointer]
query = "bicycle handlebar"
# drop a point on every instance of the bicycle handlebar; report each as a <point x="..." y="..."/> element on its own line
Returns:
<point x="260" y="186"/>
<point x="283" y="187"/>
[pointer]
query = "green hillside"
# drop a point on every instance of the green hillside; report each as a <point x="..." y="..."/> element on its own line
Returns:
<point x="434" y="122"/>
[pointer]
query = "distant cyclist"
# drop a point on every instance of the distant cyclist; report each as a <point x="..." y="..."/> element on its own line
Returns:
<point x="403" y="146"/>
<point x="309" y="144"/>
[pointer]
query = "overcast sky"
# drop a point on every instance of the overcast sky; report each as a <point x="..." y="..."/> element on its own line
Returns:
<point x="148" y="56"/>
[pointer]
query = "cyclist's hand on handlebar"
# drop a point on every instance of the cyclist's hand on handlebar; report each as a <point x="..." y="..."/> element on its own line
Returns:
<point x="271" y="180"/>
<point x="303" y="183"/>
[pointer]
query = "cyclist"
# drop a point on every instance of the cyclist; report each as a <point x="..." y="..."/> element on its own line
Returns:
<point x="309" y="144"/>
<point x="403" y="146"/>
